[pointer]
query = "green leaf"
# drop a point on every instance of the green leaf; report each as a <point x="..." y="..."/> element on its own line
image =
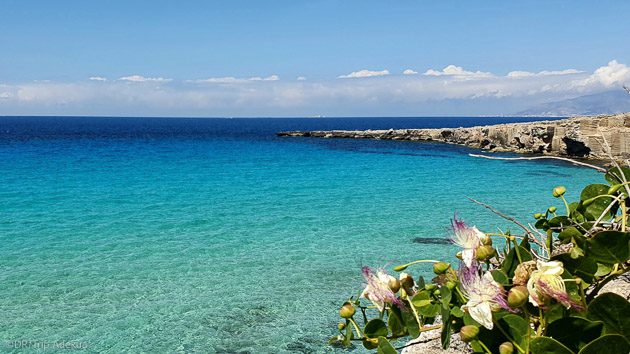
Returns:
<point x="613" y="180"/>
<point x="385" y="347"/>
<point x="445" y="336"/>
<point x="603" y="269"/>
<point x="422" y="298"/>
<point x="517" y="327"/>
<point x="446" y="296"/>
<point x="470" y="321"/>
<point x="560" y="221"/>
<point x="421" y="282"/>
<point x="546" y="345"/>
<point x="614" y="311"/>
<point x="597" y="207"/>
<point x="575" y="332"/>
<point x="511" y="260"/>
<point x="609" y="247"/>
<point x="411" y="322"/>
<point x="568" y="233"/>
<point x="375" y="328"/>
<point x="499" y="276"/>
<point x="525" y="243"/>
<point x="395" y="322"/>
<point x="349" y="335"/>
<point x="542" y="224"/>
<point x="457" y="312"/>
<point x="430" y="310"/>
<point x="609" y="344"/>
<point x="582" y="267"/>
<point x="369" y="345"/>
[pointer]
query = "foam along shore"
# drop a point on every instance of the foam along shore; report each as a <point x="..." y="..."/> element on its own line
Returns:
<point x="574" y="137"/>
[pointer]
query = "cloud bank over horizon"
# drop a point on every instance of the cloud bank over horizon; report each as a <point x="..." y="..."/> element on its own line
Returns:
<point x="452" y="90"/>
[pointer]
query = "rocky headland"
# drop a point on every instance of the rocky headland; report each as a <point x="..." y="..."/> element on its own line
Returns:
<point x="573" y="137"/>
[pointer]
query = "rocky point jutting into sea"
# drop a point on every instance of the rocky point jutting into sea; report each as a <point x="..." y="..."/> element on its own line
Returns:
<point x="573" y="137"/>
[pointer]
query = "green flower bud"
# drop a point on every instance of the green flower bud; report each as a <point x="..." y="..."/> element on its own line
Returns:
<point x="518" y="296"/>
<point x="450" y="285"/>
<point x="484" y="252"/>
<point x="394" y="284"/>
<point x="614" y="189"/>
<point x="459" y="256"/>
<point x="468" y="333"/>
<point x="440" y="267"/>
<point x="347" y="310"/>
<point x="537" y="216"/>
<point x="552" y="209"/>
<point x="341" y="326"/>
<point x="437" y="292"/>
<point x="559" y="191"/>
<point x="430" y="287"/>
<point x="506" y="348"/>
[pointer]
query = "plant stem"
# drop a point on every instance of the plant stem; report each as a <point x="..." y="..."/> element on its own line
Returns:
<point x="529" y="328"/>
<point x="404" y="266"/>
<point x="566" y="204"/>
<point x="356" y="327"/>
<point x="484" y="347"/>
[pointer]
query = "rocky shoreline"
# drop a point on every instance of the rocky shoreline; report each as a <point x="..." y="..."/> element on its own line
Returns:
<point x="573" y="137"/>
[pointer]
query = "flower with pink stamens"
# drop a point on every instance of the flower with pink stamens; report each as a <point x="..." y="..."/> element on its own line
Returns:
<point x="484" y="295"/>
<point x="546" y="283"/>
<point x="466" y="237"/>
<point x="377" y="288"/>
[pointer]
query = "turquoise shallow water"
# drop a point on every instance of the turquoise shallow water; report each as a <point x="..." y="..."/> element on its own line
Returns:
<point x="192" y="235"/>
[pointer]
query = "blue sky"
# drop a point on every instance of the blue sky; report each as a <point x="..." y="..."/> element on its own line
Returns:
<point x="151" y="57"/>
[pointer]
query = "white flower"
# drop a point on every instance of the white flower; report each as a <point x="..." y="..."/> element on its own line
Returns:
<point x="484" y="295"/>
<point x="377" y="289"/>
<point x="466" y="237"/>
<point x="546" y="282"/>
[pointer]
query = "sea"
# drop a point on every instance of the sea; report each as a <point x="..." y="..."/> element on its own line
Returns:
<point x="211" y="235"/>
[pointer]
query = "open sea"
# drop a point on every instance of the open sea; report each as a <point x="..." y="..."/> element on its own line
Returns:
<point x="214" y="235"/>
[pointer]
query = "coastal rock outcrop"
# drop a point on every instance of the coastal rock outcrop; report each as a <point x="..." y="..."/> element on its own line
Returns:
<point x="575" y="137"/>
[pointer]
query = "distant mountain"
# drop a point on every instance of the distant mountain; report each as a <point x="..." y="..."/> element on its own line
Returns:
<point x="610" y="102"/>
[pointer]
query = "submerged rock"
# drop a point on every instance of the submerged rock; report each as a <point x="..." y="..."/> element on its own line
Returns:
<point x="574" y="137"/>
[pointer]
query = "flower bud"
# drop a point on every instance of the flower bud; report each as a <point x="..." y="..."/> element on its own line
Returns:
<point x="537" y="216"/>
<point x="484" y="252"/>
<point x="407" y="283"/>
<point x="459" y="256"/>
<point x="394" y="284"/>
<point x="341" y="326"/>
<point x="468" y="333"/>
<point x="347" y="310"/>
<point x="518" y="296"/>
<point x="430" y="287"/>
<point x="559" y="191"/>
<point x="440" y="268"/>
<point x="552" y="209"/>
<point x="614" y="189"/>
<point x="506" y="348"/>
<point x="450" y="285"/>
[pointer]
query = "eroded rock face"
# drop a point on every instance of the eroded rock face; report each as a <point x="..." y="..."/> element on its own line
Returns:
<point x="576" y="137"/>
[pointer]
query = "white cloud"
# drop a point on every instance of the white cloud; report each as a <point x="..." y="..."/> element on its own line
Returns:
<point x="364" y="73"/>
<point x="606" y="76"/>
<point x="384" y="94"/>
<point x="233" y="80"/>
<point x="98" y="78"/>
<point x="456" y="71"/>
<point x="409" y="72"/>
<point x="138" y="78"/>
<point x="301" y="78"/>
<point x="519" y="74"/>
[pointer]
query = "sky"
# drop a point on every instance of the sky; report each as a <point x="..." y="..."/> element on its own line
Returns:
<point x="306" y="58"/>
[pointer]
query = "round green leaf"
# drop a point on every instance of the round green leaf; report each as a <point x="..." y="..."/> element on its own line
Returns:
<point x="609" y="344"/>
<point x="609" y="247"/>
<point x="597" y="207"/>
<point x="575" y="332"/>
<point x="546" y="345"/>
<point x="614" y="311"/>
<point x="375" y="328"/>
<point x="385" y="347"/>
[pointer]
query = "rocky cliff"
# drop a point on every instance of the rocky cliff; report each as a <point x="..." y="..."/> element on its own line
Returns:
<point x="576" y="137"/>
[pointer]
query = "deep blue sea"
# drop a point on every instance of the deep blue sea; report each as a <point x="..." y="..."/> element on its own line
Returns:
<point x="214" y="235"/>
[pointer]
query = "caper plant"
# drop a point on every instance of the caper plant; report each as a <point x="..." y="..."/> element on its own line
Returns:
<point x="540" y="293"/>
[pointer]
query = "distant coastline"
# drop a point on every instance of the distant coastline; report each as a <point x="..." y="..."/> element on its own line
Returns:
<point x="572" y="137"/>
